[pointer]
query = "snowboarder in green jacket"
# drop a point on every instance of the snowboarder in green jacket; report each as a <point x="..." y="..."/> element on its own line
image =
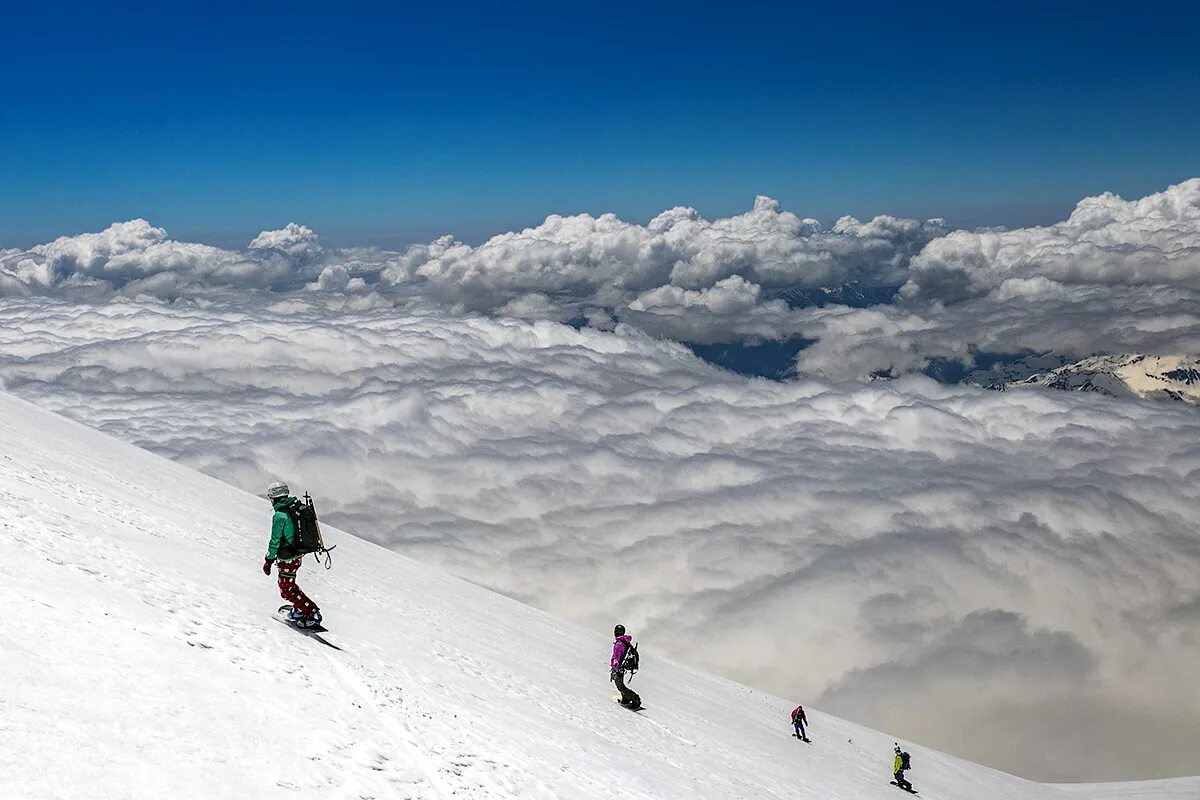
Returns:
<point x="282" y="553"/>
<point x="899" y="766"/>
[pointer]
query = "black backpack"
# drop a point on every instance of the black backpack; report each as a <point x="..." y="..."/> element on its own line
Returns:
<point x="631" y="660"/>
<point x="308" y="530"/>
<point x="904" y="761"/>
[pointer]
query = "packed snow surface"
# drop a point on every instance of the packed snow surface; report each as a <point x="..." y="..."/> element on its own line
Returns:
<point x="140" y="658"/>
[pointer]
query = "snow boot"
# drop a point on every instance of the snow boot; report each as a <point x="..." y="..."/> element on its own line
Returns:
<point x="306" y="622"/>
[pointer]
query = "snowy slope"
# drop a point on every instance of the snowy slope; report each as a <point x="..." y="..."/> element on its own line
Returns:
<point x="140" y="659"/>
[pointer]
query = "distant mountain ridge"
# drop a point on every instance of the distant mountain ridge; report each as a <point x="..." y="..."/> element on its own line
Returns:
<point x="851" y="293"/>
<point x="1130" y="376"/>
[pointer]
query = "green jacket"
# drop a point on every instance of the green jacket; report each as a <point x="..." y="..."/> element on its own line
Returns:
<point x="283" y="532"/>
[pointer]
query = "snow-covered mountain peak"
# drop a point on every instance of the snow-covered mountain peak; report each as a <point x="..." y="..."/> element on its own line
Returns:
<point x="141" y="659"/>
<point x="1135" y="375"/>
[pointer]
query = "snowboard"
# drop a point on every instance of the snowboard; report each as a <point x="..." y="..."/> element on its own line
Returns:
<point x="283" y="615"/>
<point x="616" y="698"/>
<point x="898" y="786"/>
<point x="804" y="739"/>
<point x="318" y="628"/>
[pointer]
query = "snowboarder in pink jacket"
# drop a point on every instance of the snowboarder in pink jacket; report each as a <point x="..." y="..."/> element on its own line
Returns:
<point x="622" y="644"/>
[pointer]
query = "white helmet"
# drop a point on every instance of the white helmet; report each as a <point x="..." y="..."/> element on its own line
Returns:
<point x="277" y="490"/>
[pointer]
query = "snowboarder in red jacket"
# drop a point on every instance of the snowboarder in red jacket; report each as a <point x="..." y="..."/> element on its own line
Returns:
<point x="798" y="722"/>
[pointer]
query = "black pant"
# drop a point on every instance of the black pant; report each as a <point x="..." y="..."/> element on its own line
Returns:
<point x="901" y="782"/>
<point x="628" y="696"/>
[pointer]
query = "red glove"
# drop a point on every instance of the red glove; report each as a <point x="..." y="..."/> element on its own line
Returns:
<point x="267" y="566"/>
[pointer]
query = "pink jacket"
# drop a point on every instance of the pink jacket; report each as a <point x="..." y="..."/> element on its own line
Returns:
<point x="619" y="646"/>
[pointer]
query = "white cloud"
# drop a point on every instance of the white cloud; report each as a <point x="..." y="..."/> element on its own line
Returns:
<point x="921" y="556"/>
<point x="1116" y="277"/>
<point x="136" y="259"/>
<point x="730" y="310"/>
<point x="295" y="241"/>
<point x="904" y="337"/>
<point x="730" y="295"/>
<point x="676" y="275"/>
<point x="567" y="268"/>
<point x="1106" y="241"/>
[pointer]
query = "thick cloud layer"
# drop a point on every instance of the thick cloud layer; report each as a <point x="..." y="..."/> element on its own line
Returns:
<point x="680" y="276"/>
<point x="1106" y="241"/>
<point x="137" y="259"/>
<point x="1116" y="277"/>
<point x="1009" y="576"/>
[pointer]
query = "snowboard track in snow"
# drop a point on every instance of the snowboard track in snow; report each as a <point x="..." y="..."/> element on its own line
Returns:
<point x="400" y="735"/>
<point x="312" y="634"/>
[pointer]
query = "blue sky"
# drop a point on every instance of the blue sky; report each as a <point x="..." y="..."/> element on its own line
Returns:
<point x="392" y="123"/>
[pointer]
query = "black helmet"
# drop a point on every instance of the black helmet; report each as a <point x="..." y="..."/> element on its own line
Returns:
<point x="619" y="630"/>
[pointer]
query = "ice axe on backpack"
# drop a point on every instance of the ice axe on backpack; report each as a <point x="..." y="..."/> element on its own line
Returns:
<point x="308" y="530"/>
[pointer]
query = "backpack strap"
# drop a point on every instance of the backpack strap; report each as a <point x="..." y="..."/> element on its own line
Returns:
<point x="324" y="551"/>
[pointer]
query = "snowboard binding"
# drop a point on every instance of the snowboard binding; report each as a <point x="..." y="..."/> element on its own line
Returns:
<point x="294" y="617"/>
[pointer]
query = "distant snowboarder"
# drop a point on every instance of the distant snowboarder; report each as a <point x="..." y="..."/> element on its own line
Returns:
<point x="283" y="553"/>
<point x="798" y="722"/>
<point x="899" y="764"/>
<point x="624" y="659"/>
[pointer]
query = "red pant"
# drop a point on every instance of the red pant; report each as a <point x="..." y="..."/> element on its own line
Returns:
<point x="289" y="591"/>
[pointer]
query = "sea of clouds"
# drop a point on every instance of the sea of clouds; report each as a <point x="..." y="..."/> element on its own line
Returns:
<point x="1008" y="576"/>
<point x="1117" y="276"/>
